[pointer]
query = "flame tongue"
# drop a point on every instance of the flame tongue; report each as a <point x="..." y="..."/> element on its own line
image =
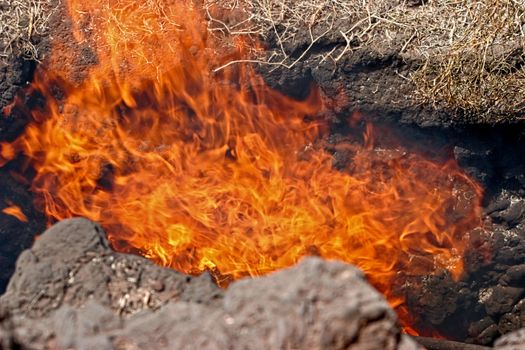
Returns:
<point x="218" y="172"/>
<point x="15" y="211"/>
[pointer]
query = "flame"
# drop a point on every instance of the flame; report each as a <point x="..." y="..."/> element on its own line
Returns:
<point x="204" y="171"/>
<point x="7" y="153"/>
<point x="15" y="211"/>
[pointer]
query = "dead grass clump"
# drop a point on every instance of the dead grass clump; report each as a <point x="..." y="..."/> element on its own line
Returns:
<point x="472" y="52"/>
<point x="20" y="22"/>
<point x="482" y="67"/>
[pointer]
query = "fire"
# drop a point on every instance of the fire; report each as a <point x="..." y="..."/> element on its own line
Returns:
<point x="204" y="171"/>
<point x="7" y="153"/>
<point x="15" y="211"/>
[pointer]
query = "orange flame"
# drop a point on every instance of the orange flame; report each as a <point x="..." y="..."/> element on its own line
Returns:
<point x="15" y="211"/>
<point x="215" y="171"/>
<point x="7" y="153"/>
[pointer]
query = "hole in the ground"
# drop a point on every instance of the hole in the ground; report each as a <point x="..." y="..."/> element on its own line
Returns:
<point x="218" y="173"/>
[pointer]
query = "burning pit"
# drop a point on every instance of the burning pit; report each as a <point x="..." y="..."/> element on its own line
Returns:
<point x="146" y="119"/>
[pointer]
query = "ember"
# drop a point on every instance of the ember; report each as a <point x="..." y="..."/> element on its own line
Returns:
<point x="205" y="171"/>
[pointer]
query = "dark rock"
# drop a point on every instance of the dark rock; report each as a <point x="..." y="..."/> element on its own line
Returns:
<point x="515" y="276"/>
<point x="511" y="210"/>
<point x="296" y="82"/>
<point x="306" y="307"/>
<point x="435" y="300"/>
<point x="508" y="323"/>
<point x="497" y="205"/>
<point x="508" y="246"/>
<point x="317" y="308"/>
<point x="511" y="341"/>
<point x="480" y="253"/>
<point x="70" y="291"/>
<point x="72" y="263"/>
<point x="481" y="325"/>
<point x="488" y="335"/>
<point x="519" y="312"/>
<point x="369" y="80"/>
<point x="502" y="299"/>
<point x="81" y="329"/>
<point x="477" y="163"/>
<point x="513" y="320"/>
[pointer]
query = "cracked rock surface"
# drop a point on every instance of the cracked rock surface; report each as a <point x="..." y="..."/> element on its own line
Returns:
<point x="70" y="291"/>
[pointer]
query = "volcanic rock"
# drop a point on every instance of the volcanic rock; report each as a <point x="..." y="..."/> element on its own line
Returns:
<point x="501" y="299"/>
<point x="482" y="329"/>
<point x="70" y="291"/>
<point x="512" y="341"/>
<point x="515" y="276"/>
<point x="72" y="263"/>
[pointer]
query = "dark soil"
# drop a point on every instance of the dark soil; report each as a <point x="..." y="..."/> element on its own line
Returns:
<point x="15" y="75"/>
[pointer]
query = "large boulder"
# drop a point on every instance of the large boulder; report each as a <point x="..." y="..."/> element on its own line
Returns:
<point x="71" y="291"/>
<point x="72" y="263"/>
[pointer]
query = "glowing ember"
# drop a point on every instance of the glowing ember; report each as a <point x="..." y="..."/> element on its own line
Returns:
<point x="202" y="171"/>
<point x="15" y="211"/>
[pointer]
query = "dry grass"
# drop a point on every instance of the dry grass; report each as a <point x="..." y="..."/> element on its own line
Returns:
<point x="481" y="69"/>
<point x="471" y="52"/>
<point x="20" y="22"/>
<point x="301" y="24"/>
